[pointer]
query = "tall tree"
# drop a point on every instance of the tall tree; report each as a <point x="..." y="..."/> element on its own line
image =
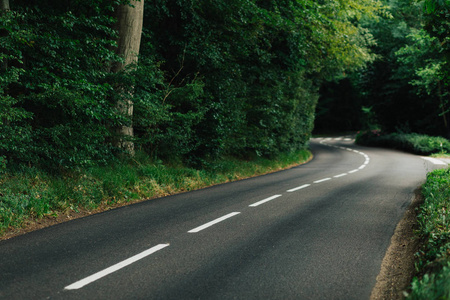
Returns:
<point x="129" y="25"/>
<point x="4" y="5"/>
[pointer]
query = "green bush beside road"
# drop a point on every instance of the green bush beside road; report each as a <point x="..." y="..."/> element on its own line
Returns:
<point x="411" y="142"/>
<point x="433" y="258"/>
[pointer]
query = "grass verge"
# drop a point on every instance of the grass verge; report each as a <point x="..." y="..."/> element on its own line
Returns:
<point x="433" y="259"/>
<point x="30" y="195"/>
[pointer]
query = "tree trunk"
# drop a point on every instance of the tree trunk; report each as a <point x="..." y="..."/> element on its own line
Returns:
<point x="129" y="24"/>
<point x="4" y="5"/>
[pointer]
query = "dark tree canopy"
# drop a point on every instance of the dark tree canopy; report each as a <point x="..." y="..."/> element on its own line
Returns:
<point x="214" y="78"/>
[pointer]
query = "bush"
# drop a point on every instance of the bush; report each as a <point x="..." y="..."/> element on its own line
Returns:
<point x="433" y="258"/>
<point x="412" y="142"/>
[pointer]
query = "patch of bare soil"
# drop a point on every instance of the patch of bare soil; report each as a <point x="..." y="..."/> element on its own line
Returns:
<point x="397" y="268"/>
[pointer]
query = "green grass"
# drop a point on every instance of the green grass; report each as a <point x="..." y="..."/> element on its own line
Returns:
<point x="433" y="259"/>
<point x="31" y="194"/>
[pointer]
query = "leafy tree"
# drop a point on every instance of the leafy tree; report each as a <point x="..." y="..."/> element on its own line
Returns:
<point x="56" y="85"/>
<point x="405" y="87"/>
<point x="238" y="77"/>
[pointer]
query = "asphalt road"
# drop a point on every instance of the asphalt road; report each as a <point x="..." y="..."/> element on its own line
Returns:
<point x="317" y="231"/>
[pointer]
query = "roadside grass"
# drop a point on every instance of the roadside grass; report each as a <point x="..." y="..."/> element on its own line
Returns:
<point x="31" y="194"/>
<point x="433" y="259"/>
<point x="432" y="278"/>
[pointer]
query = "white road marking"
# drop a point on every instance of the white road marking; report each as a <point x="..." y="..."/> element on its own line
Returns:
<point x="353" y="171"/>
<point x="81" y="283"/>
<point x="322" y="180"/>
<point x="204" y="226"/>
<point x="434" y="161"/>
<point x="264" y="201"/>
<point x="340" y="175"/>
<point x="298" y="188"/>
<point x="362" y="167"/>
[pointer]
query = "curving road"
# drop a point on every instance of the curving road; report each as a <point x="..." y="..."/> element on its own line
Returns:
<point x="316" y="231"/>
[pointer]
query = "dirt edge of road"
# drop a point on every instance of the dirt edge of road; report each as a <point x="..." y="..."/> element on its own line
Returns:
<point x="397" y="268"/>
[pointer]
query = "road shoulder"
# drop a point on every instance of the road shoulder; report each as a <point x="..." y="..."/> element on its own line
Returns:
<point x="397" y="268"/>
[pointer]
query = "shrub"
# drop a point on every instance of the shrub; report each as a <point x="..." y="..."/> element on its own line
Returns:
<point x="411" y="142"/>
<point x="433" y="258"/>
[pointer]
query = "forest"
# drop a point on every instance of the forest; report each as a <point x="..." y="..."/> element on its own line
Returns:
<point x="210" y="79"/>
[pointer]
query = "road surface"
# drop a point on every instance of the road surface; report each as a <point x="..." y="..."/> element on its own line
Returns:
<point x="316" y="231"/>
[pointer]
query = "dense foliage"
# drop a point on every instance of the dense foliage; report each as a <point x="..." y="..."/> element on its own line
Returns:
<point x="406" y="89"/>
<point x="214" y="78"/>
<point x="433" y="261"/>
<point x="411" y="142"/>
<point x="55" y="86"/>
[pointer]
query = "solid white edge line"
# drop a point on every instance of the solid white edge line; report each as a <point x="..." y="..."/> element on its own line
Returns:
<point x="204" y="226"/>
<point x="298" y="188"/>
<point x="322" y="180"/>
<point x="434" y="160"/>
<point x="340" y="175"/>
<point x="81" y="283"/>
<point x="264" y="201"/>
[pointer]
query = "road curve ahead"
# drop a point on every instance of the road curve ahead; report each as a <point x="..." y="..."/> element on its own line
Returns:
<point x="316" y="231"/>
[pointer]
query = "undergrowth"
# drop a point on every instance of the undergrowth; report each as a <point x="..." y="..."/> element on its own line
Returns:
<point x="411" y="142"/>
<point x="31" y="193"/>
<point x="433" y="259"/>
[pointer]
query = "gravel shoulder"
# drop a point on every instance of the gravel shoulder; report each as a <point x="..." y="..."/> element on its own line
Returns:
<point x="397" y="268"/>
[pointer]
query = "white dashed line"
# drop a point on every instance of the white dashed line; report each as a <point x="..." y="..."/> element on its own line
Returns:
<point x="209" y="224"/>
<point x="321" y="180"/>
<point x="340" y="175"/>
<point x="81" y="283"/>
<point x="353" y="171"/>
<point x="264" y="201"/>
<point x="298" y="188"/>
